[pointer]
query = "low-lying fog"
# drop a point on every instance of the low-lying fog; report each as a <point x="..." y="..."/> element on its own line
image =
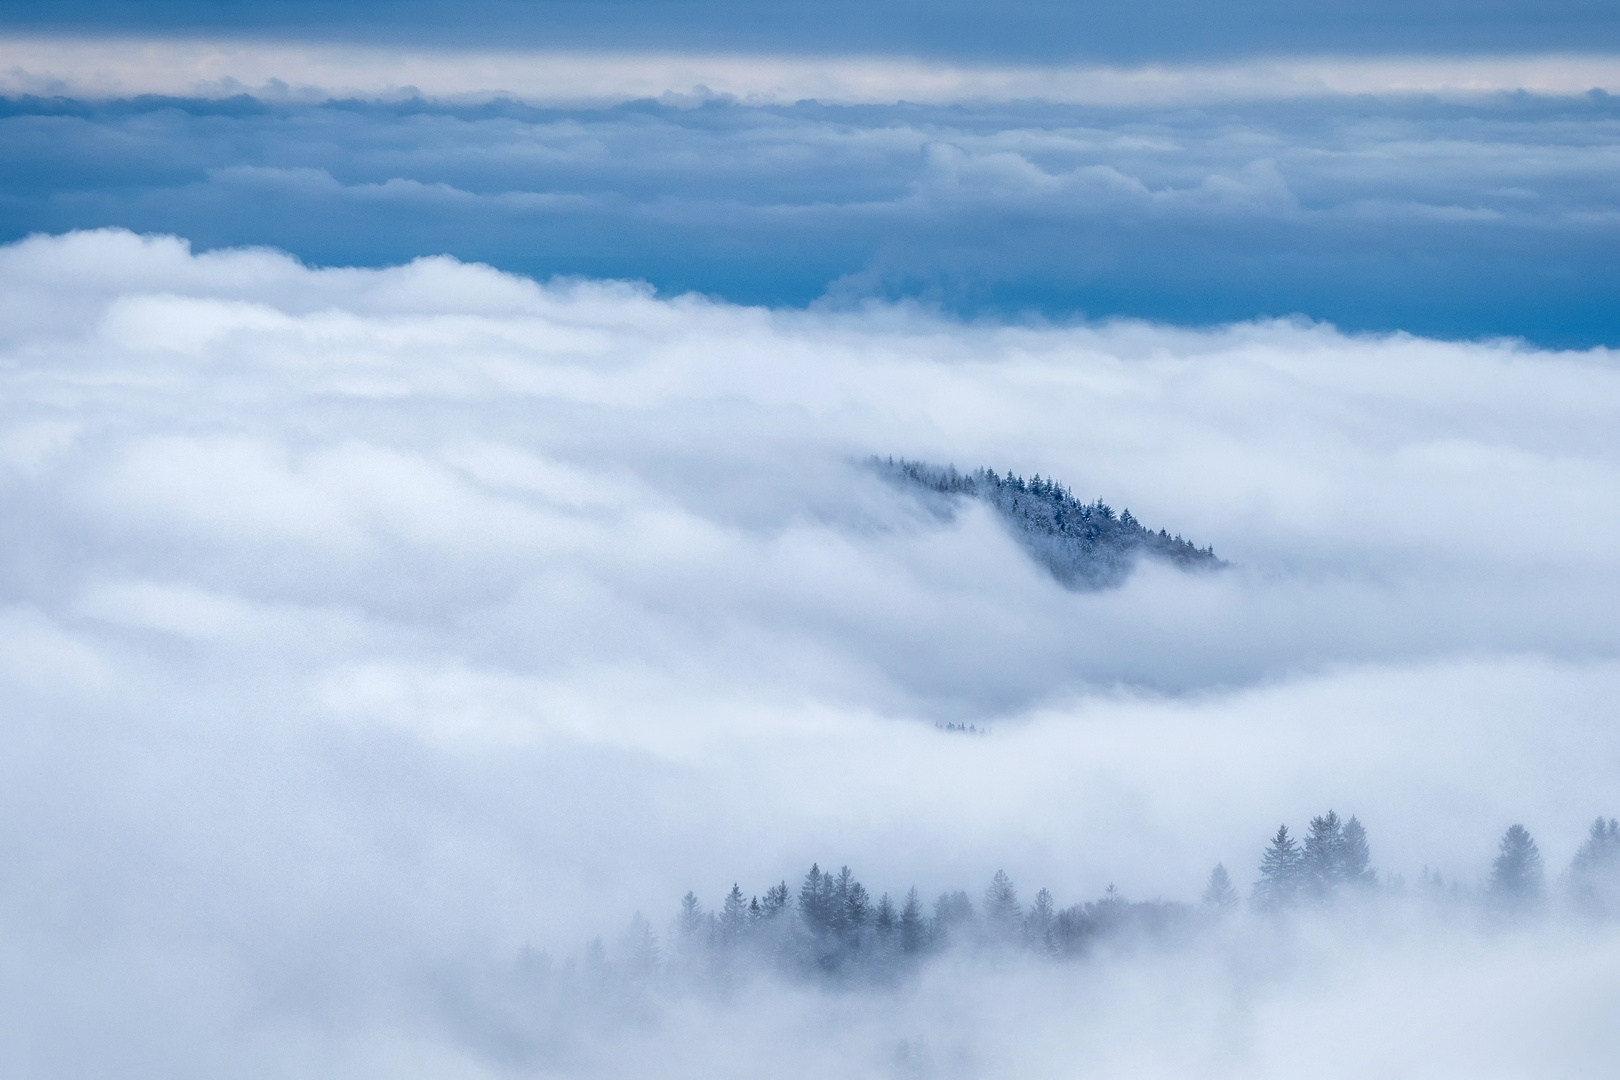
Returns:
<point x="372" y="640"/>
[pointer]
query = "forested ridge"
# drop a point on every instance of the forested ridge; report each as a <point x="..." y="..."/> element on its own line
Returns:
<point x="1084" y="545"/>
<point x="832" y="929"/>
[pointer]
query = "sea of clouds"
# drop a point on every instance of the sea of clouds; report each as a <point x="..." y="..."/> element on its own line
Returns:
<point x="363" y="631"/>
<point x="1360" y="194"/>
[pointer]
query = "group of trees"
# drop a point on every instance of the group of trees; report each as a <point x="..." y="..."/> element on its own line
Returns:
<point x="833" y="926"/>
<point x="1084" y="545"/>
<point x="833" y="931"/>
<point x="1335" y="859"/>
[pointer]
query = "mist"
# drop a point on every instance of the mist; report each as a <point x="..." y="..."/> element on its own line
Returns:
<point x="373" y="638"/>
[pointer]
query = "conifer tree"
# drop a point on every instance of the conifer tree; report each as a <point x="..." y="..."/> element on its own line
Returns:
<point x="1280" y="869"/>
<point x="689" y="923"/>
<point x="1040" y="924"/>
<point x="1322" y="857"/>
<point x="776" y="901"/>
<point x="691" y="930"/>
<point x="951" y="911"/>
<point x="815" y="901"/>
<point x="846" y="905"/>
<point x="1219" y="894"/>
<point x="912" y="928"/>
<point x="1001" y="908"/>
<point x="1516" y="874"/>
<point x="884" y="917"/>
<point x="1594" y="875"/>
<point x="857" y="909"/>
<point x="639" y="947"/>
<point x="1355" y="855"/>
<point x="733" y="917"/>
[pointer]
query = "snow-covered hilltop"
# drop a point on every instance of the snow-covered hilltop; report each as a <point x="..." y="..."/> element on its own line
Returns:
<point x="1084" y="545"/>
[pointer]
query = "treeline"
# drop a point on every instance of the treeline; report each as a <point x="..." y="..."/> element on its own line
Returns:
<point x="1332" y="863"/>
<point x="1084" y="545"/>
<point x="832" y="926"/>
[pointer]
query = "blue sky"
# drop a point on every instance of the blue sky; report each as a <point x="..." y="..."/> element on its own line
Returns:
<point x="1045" y="29"/>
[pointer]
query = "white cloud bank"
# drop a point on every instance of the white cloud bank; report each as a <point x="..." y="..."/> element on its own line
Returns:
<point x="120" y="67"/>
<point x="361" y="627"/>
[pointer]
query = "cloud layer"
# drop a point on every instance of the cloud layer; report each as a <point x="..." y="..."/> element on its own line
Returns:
<point x="362" y="627"/>
<point x="1489" y="216"/>
<point x="123" y="67"/>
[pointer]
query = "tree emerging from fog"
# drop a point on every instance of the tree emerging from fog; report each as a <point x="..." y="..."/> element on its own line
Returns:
<point x="1594" y="876"/>
<point x="1219" y="893"/>
<point x="1516" y="875"/>
<point x="1083" y="545"/>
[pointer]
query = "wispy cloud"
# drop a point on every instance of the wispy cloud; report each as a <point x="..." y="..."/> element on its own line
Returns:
<point x="122" y="67"/>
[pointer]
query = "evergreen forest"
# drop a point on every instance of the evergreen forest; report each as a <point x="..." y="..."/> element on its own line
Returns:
<point x="832" y="929"/>
<point x="1083" y="545"/>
